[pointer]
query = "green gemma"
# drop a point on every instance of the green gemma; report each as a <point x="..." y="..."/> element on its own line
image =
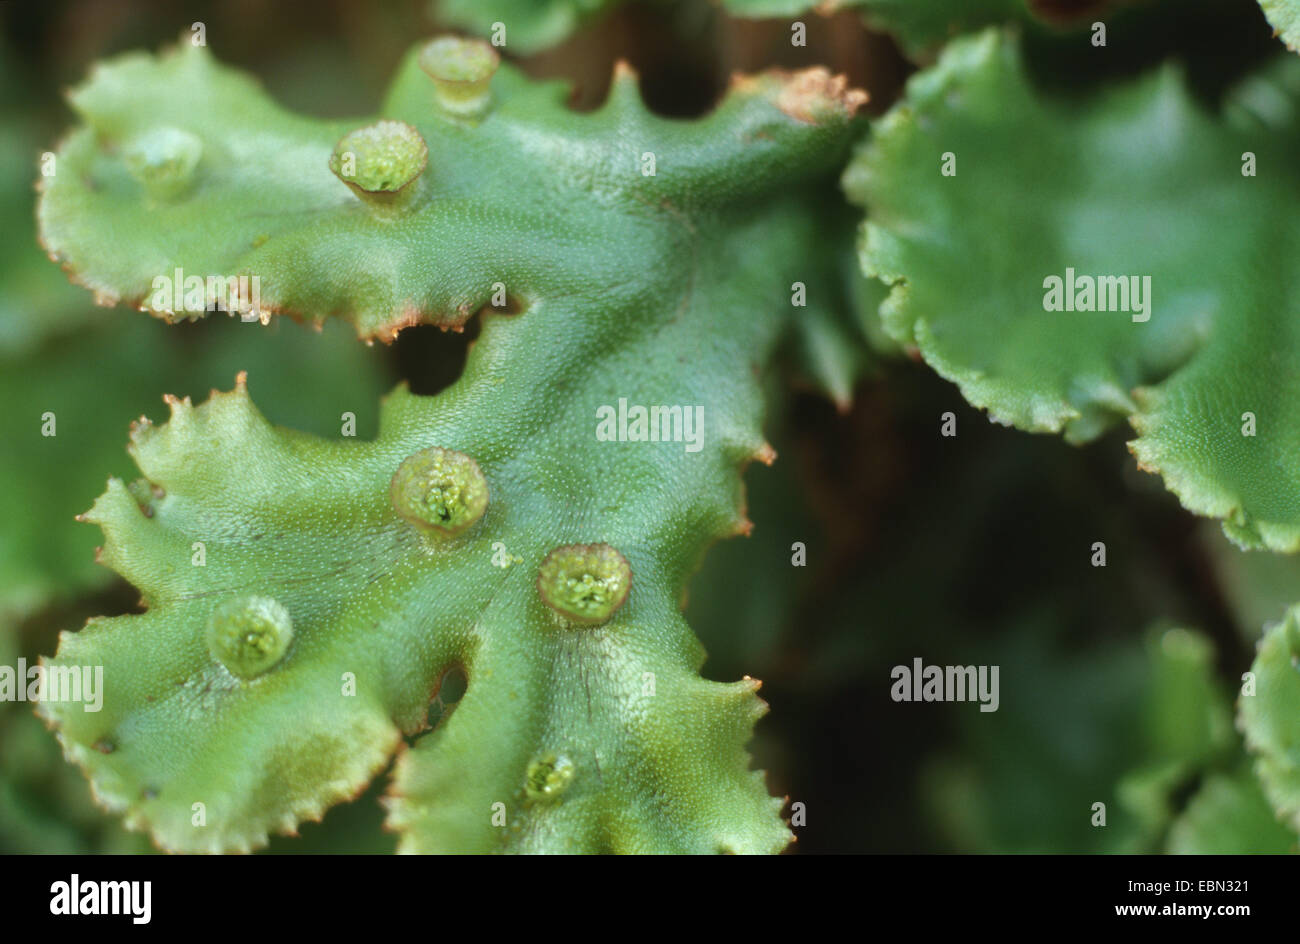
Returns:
<point x="461" y="70"/>
<point x="439" y="490"/>
<point x="547" y="778"/>
<point x="380" y="162"/>
<point x="249" y="635"/>
<point x="164" y="161"/>
<point x="584" y="583"/>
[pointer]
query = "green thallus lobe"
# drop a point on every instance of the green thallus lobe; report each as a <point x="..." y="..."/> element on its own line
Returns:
<point x="322" y="527"/>
<point x="585" y="583"/>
